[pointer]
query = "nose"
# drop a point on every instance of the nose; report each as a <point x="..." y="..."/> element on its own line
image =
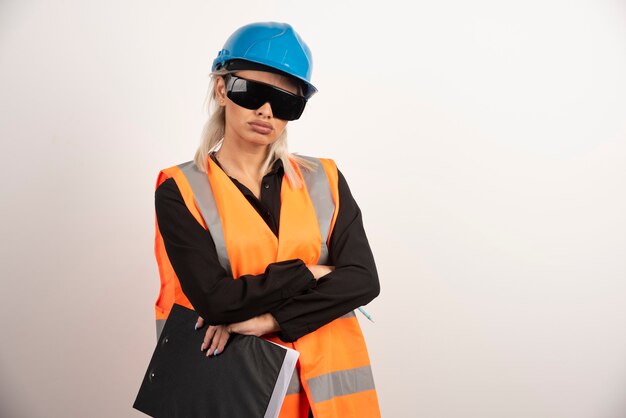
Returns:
<point x="265" y="110"/>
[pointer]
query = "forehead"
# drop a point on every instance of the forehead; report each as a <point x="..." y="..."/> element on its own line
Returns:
<point x="278" y="80"/>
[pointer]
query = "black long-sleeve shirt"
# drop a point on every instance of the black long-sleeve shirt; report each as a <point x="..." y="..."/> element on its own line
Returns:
<point x="286" y="289"/>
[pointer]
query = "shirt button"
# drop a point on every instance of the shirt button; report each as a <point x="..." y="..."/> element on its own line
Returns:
<point x="267" y="186"/>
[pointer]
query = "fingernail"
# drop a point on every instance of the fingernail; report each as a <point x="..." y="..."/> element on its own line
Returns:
<point x="202" y="347"/>
<point x="196" y="326"/>
<point x="216" y="352"/>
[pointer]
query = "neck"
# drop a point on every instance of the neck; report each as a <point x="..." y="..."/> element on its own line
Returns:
<point x="242" y="158"/>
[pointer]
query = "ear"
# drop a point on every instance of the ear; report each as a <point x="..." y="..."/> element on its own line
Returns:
<point x="220" y="91"/>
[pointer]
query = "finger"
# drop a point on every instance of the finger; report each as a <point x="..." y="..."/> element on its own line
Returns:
<point x="208" y="337"/>
<point x="224" y="336"/>
<point x="214" y="341"/>
<point x="199" y="323"/>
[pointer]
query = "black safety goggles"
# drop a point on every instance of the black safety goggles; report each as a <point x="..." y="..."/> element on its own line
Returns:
<point x="254" y="94"/>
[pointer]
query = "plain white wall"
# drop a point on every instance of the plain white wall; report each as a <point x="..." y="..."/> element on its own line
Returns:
<point x="485" y="142"/>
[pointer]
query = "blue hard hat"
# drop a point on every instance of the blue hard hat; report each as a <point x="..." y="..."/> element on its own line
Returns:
<point x="273" y="45"/>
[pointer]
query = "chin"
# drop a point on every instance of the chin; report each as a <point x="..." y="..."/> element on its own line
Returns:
<point x="262" y="139"/>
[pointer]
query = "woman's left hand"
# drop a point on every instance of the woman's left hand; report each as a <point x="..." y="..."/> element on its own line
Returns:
<point x="259" y="325"/>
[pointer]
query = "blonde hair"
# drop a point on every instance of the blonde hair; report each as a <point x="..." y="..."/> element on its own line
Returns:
<point x="213" y="136"/>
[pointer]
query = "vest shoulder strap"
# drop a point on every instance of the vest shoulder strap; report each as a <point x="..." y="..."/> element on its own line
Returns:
<point x="205" y="201"/>
<point x="319" y="189"/>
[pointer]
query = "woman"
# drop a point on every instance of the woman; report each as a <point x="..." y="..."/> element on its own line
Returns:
<point x="285" y="227"/>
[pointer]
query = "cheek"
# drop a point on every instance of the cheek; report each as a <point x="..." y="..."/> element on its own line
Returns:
<point x="279" y="128"/>
<point x="280" y="125"/>
<point x="234" y="114"/>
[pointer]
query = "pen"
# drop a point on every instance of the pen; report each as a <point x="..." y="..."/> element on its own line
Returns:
<point x="365" y="313"/>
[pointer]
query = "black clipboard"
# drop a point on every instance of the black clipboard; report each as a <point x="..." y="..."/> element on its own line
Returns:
<point x="181" y="381"/>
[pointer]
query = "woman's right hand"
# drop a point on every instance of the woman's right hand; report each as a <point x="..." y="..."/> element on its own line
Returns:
<point x="215" y="338"/>
<point x="319" y="270"/>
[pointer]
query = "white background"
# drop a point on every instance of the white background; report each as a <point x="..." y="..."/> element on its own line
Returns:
<point x="484" y="141"/>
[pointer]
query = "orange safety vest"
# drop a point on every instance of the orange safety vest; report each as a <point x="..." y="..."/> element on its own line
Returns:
<point x="333" y="375"/>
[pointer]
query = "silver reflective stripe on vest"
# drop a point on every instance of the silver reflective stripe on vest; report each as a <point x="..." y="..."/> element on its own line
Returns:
<point x="340" y="383"/>
<point x="203" y="195"/>
<point x="348" y="315"/>
<point x="318" y="186"/>
<point x="160" y="323"/>
<point x="294" y="383"/>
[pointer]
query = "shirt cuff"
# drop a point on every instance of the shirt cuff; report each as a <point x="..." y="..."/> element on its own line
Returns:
<point x="288" y="334"/>
<point x="295" y="275"/>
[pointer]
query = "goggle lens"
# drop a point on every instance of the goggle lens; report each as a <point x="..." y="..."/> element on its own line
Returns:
<point x="254" y="94"/>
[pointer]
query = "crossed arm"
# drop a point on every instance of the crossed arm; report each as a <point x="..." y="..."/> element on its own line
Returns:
<point x="216" y="336"/>
<point x="289" y="298"/>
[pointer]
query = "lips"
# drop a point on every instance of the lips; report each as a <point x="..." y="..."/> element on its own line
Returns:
<point x="261" y="127"/>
